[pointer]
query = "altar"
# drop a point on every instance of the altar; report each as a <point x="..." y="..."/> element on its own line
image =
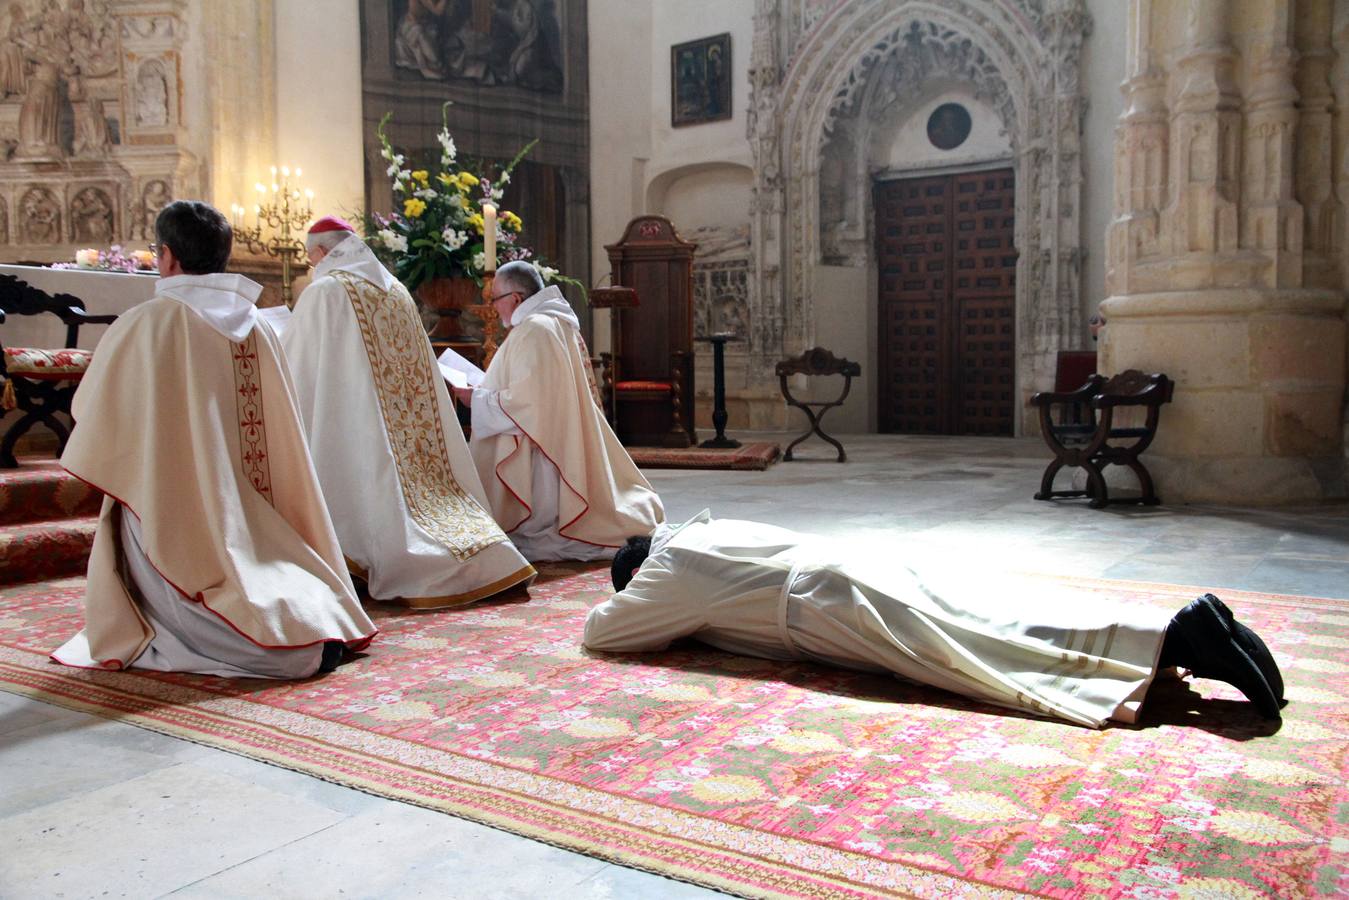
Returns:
<point x="103" y="293"/>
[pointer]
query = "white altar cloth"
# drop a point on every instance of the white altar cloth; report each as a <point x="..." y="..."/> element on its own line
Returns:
<point x="103" y="293"/>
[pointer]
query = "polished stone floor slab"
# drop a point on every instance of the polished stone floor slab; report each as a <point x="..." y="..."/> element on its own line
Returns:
<point x="92" y="808"/>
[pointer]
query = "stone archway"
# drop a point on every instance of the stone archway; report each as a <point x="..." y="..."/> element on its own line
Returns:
<point x="1022" y="58"/>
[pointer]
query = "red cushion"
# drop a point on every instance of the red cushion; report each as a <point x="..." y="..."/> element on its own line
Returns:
<point x="643" y="386"/>
<point x="52" y="365"/>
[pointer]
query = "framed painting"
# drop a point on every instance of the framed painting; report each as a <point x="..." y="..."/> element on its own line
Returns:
<point x="700" y="81"/>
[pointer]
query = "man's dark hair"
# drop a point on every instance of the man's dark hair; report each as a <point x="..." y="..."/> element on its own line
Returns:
<point x="628" y="559"/>
<point x="199" y="236"/>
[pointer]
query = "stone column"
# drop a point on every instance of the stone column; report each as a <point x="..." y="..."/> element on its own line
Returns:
<point x="1228" y="287"/>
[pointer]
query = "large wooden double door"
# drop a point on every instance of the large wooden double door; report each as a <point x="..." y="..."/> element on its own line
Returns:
<point x="947" y="264"/>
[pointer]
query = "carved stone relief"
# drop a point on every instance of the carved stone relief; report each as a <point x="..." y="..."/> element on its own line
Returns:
<point x="807" y="131"/>
<point x="91" y="217"/>
<point x="89" y="118"/>
<point x="40" y="217"/>
<point x="154" y="197"/>
<point x="721" y="280"/>
<point x="152" y="95"/>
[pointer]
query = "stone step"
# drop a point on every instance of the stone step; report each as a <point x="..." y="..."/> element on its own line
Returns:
<point x="39" y="490"/>
<point x="34" y="551"/>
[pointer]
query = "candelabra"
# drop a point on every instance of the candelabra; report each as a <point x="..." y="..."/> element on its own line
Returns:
<point x="281" y="209"/>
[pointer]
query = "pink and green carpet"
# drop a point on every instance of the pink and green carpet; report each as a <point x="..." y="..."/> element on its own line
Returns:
<point x="765" y="779"/>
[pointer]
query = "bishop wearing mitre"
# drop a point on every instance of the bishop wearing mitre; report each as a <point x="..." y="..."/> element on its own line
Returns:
<point x="214" y="552"/>
<point x="409" y="509"/>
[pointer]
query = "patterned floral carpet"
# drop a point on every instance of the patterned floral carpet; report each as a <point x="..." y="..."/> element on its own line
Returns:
<point x="765" y="779"/>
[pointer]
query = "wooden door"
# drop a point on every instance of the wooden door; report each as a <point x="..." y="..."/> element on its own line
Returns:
<point x="947" y="303"/>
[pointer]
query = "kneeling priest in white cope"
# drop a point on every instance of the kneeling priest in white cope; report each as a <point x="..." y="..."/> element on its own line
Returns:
<point x="410" y="512"/>
<point x="558" y="479"/>
<point x="758" y="590"/>
<point x="214" y="551"/>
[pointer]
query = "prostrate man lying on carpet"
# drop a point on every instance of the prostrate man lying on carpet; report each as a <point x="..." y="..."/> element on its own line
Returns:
<point x="410" y="512"/>
<point x="764" y="591"/>
<point x="559" y="481"/>
<point x="214" y="551"/>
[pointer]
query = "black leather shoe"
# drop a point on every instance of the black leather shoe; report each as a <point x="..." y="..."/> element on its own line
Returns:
<point x="332" y="656"/>
<point x="1255" y="648"/>
<point x="1208" y="647"/>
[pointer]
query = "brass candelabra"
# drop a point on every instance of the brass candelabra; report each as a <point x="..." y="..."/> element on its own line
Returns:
<point x="284" y="209"/>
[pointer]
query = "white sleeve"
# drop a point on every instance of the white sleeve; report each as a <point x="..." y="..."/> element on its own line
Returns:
<point x="647" y="615"/>
<point x="488" y="416"/>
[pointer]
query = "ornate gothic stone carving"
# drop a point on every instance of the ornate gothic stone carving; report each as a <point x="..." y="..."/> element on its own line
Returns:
<point x="89" y="115"/>
<point x="721" y="282"/>
<point x="91" y="217"/>
<point x="1024" y="59"/>
<point x="39" y="217"/>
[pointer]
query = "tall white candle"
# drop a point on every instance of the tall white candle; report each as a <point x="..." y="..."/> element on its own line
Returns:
<point x="489" y="236"/>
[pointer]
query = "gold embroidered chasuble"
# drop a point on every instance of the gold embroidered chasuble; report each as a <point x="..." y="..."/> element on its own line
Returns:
<point x="405" y="377"/>
<point x="405" y="498"/>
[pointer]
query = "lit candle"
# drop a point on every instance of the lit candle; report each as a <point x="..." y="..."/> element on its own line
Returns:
<point x="285" y="171"/>
<point x="262" y="189"/>
<point x="273" y="171"/>
<point x="489" y="237"/>
<point x="297" y="171"/>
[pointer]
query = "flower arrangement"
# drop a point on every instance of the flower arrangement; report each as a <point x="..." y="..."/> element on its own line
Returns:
<point x="112" y="260"/>
<point x="437" y="229"/>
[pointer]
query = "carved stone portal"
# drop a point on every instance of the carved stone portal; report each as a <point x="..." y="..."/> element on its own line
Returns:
<point x="814" y="77"/>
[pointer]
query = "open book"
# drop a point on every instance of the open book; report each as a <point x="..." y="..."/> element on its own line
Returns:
<point x="458" y="371"/>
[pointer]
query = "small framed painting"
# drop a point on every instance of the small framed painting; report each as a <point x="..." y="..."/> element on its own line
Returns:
<point x="700" y="81"/>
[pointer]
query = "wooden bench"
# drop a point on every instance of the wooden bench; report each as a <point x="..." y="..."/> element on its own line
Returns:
<point x="1086" y="425"/>
<point x="41" y="382"/>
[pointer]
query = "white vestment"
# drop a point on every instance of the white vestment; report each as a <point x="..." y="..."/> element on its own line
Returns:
<point x="214" y="552"/>
<point x="758" y="590"/>
<point x="405" y="497"/>
<point x="558" y="479"/>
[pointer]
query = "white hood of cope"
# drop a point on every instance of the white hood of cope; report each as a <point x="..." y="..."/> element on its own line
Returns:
<point x="228" y="302"/>
<point x="547" y="302"/>
<point x="354" y="256"/>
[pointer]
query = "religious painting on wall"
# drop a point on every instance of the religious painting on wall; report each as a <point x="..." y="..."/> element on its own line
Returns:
<point x="516" y="42"/>
<point x="700" y="81"/>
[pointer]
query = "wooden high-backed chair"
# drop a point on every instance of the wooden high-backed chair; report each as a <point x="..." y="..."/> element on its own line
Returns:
<point x="652" y="366"/>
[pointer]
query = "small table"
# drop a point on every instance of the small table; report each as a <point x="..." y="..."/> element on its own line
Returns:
<point x="718" y="342"/>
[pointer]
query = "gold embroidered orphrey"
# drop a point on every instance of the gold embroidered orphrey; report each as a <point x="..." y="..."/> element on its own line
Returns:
<point x="252" y="424"/>
<point x="395" y="344"/>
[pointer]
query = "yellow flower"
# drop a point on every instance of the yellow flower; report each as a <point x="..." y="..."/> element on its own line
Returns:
<point x="447" y="180"/>
<point x="413" y="207"/>
<point x="511" y="220"/>
<point x="467" y="180"/>
<point x="423" y="176"/>
<point x="476" y="221"/>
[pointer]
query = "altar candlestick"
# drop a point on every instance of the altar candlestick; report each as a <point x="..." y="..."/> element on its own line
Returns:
<point x="489" y="234"/>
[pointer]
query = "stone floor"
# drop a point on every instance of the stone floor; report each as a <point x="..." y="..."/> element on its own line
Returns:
<point x="92" y="808"/>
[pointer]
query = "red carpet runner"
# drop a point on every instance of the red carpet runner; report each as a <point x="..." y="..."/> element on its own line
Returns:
<point x="46" y="522"/>
<point x="770" y="779"/>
